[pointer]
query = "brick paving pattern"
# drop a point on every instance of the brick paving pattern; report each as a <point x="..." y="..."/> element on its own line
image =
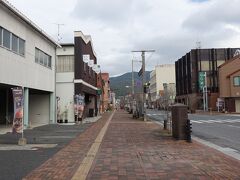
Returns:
<point x="64" y="163"/>
<point x="133" y="149"/>
<point x="138" y="150"/>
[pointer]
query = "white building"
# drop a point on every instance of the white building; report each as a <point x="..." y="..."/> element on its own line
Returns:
<point x="65" y="80"/>
<point x="75" y="77"/>
<point x="160" y="75"/>
<point x="27" y="57"/>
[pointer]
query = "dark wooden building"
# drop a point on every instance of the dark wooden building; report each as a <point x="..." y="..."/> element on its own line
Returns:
<point x="85" y="79"/>
<point x="187" y="71"/>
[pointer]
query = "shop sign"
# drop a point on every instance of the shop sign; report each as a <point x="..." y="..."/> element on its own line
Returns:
<point x="86" y="58"/>
<point x="201" y="79"/>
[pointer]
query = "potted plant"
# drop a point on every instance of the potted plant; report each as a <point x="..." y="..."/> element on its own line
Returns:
<point x="61" y="118"/>
<point x="66" y="114"/>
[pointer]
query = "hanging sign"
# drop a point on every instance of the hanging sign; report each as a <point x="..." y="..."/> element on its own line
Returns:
<point x="86" y="58"/>
<point x="96" y="68"/>
<point x="91" y="63"/>
<point x="18" y="110"/>
<point x="201" y="80"/>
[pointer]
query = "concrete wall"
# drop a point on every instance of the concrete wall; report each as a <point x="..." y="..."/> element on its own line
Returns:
<point x="22" y="70"/>
<point x="66" y="51"/>
<point x="153" y="85"/>
<point x="65" y="90"/>
<point x="164" y="74"/>
<point x="39" y="109"/>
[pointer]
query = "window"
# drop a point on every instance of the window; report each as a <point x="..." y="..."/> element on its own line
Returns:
<point x="49" y="62"/>
<point x="45" y="60"/>
<point x="21" y="47"/>
<point x="0" y="36"/>
<point x="236" y="81"/>
<point x="6" y="38"/>
<point x="42" y="58"/>
<point x="65" y="64"/>
<point x="37" y="56"/>
<point x="14" y="43"/>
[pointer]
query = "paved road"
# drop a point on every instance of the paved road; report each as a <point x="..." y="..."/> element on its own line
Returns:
<point x="222" y="130"/>
<point x="16" y="163"/>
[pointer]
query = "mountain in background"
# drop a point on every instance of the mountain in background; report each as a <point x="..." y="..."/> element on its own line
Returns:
<point x="118" y="84"/>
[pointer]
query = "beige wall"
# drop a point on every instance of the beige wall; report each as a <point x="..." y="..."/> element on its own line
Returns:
<point x="234" y="90"/>
<point x="164" y="74"/>
<point x="226" y="88"/>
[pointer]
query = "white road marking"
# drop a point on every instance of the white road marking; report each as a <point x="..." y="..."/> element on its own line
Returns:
<point x="216" y="121"/>
<point x="234" y="126"/>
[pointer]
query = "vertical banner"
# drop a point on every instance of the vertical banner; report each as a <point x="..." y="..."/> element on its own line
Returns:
<point x="76" y="106"/>
<point x="18" y="110"/>
<point x="79" y="105"/>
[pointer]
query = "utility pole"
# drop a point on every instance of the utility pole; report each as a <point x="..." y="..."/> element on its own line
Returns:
<point x="206" y="92"/>
<point x="143" y="80"/>
<point x="132" y="81"/>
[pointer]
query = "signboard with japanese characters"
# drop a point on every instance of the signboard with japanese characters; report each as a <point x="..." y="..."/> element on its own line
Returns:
<point x="201" y="79"/>
<point x="86" y="58"/>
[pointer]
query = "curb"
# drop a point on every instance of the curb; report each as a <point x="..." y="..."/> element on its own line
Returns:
<point x="233" y="153"/>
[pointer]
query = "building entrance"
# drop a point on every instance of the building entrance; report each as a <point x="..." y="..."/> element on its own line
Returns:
<point x="6" y="105"/>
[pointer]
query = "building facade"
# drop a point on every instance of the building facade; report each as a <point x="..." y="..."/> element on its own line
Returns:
<point x="158" y="77"/>
<point x="187" y="75"/>
<point x="76" y="77"/>
<point x="229" y="85"/>
<point x="106" y="91"/>
<point x="27" y="56"/>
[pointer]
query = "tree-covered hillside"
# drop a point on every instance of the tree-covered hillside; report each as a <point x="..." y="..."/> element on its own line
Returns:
<point x="118" y="84"/>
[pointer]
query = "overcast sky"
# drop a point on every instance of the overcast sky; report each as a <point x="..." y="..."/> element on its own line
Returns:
<point x="171" y="27"/>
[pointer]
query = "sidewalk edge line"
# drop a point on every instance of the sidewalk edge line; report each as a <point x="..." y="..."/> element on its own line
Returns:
<point x="86" y="164"/>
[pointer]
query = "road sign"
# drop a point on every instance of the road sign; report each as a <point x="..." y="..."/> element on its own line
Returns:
<point x="201" y="80"/>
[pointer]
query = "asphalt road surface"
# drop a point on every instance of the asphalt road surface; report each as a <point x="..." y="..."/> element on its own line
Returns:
<point x="17" y="163"/>
<point x="222" y="130"/>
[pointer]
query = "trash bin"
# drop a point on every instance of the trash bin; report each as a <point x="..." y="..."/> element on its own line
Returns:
<point x="91" y="112"/>
<point x="179" y="121"/>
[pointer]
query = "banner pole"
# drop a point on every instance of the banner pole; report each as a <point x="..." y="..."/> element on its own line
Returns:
<point x="23" y="111"/>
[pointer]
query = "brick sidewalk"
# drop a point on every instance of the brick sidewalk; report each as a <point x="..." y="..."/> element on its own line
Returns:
<point x="138" y="150"/>
<point x="64" y="164"/>
<point x="132" y="149"/>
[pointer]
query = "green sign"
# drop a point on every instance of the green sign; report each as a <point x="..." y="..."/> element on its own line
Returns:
<point x="201" y="80"/>
<point x="99" y="92"/>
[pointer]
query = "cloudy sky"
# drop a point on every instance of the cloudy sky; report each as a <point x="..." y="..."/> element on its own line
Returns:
<point x="171" y="27"/>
